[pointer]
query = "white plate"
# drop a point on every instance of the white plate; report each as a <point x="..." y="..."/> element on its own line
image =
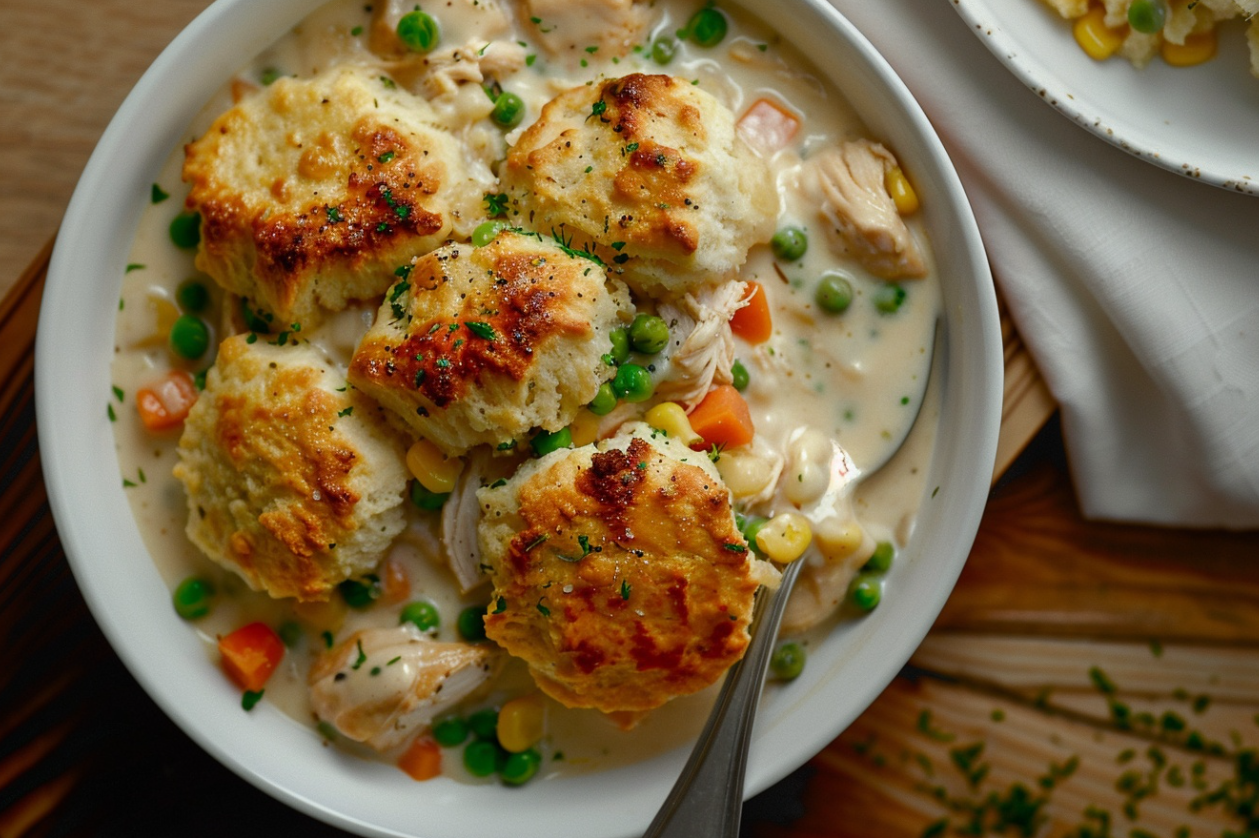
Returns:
<point x="288" y="760"/>
<point x="1201" y="122"/>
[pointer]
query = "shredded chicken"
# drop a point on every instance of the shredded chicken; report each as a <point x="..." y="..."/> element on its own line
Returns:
<point x="702" y="345"/>
<point x="460" y="515"/>
<point x="474" y="62"/>
<point x="570" y="26"/>
<point x="856" y="205"/>
<point x="382" y="686"/>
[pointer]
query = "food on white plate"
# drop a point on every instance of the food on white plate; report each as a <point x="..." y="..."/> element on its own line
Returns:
<point x="486" y="365"/>
<point x="1182" y="34"/>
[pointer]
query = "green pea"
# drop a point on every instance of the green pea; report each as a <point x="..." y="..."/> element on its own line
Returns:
<point x="193" y="598"/>
<point x="418" y="31"/>
<point x="481" y="758"/>
<point x="450" y="731"/>
<point x="707" y="27"/>
<point x="471" y="623"/>
<point x="787" y="661"/>
<point x="789" y="244"/>
<point x="604" y="401"/>
<point x="487" y="232"/>
<point x="834" y="293"/>
<point x="544" y="442"/>
<point x="889" y="297"/>
<point x="509" y="109"/>
<point x="426" y="500"/>
<point x="484" y="724"/>
<point x="620" y="345"/>
<point x="192" y="296"/>
<point x="1147" y="16"/>
<point x="360" y="593"/>
<point x="185" y="230"/>
<point x="750" y="526"/>
<point x="648" y="334"/>
<point x="663" y="50"/>
<point x="256" y="320"/>
<point x="519" y="768"/>
<point x="866" y="591"/>
<point x="189" y="337"/>
<point x="290" y="633"/>
<point x="633" y="383"/>
<point x="739" y="376"/>
<point x="881" y="560"/>
<point x="422" y="614"/>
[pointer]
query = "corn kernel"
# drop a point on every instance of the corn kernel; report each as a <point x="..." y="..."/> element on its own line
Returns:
<point x="671" y="418"/>
<point x="785" y="537"/>
<point x="838" y="537"/>
<point x="521" y="722"/>
<point x="1195" y="50"/>
<point x="435" y="471"/>
<point x="1095" y="37"/>
<point x="901" y="190"/>
<point x="584" y="428"/>
<point x="744" y="474"/>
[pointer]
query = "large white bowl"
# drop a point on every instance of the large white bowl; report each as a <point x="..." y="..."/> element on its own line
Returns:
<point x="129" y="600"/>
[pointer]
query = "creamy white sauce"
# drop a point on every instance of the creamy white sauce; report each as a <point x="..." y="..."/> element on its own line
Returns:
<point x="858" y="378"/>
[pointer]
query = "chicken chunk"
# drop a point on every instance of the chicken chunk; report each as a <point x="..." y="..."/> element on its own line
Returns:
<point x="859" y="212"/>
<point x="565" y="28"/>
<point x="383" y="686"/>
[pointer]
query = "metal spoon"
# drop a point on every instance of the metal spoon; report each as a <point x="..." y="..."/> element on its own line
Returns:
<point x="707" y="799"/>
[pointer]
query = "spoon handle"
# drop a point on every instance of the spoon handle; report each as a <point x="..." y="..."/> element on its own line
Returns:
<point x="707" y="799"/>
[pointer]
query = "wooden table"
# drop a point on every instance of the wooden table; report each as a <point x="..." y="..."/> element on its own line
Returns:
<point x="1084" y="680"/>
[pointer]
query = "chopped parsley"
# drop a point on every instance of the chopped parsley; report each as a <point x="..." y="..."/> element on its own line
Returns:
<point x="495" y="205"/>
<point x="250" y="699"/>
<point x="481" y="329"/>
<point x="362" y="656"/>
<point x="157" y="194"/>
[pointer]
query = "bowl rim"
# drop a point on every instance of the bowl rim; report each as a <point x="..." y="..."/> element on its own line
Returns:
<point x="86" y="497"/>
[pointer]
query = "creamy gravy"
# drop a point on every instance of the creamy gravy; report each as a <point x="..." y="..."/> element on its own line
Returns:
<point x="858" y="377"/>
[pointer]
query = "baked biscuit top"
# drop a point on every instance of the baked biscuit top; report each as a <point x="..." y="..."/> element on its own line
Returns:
<point x="651" y="168"/>
<point x="312" y="192"/>
<point x="483" y="344"/>
<point x="293" y="481"/>
<point x="619" y="573"/>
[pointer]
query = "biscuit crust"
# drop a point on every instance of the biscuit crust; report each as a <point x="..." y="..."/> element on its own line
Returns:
<point x="312" y="192"/>
<point x="620" y="576"/>
<point x="294" y="486"/>
<point x="651" y="168"/>
<point x="484" y="344"/>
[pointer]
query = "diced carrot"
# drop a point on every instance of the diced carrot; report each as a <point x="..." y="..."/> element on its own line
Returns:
<point x="753" y="322"/>
<point x="767" y="126"/>
<point x="423" y="760"/>
<point x="723" y="418"/>
<point x="250" y="654"/>
<point x="165" y="403"/>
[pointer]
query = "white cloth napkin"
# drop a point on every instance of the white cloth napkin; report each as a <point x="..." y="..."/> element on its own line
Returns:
<point x="1136" y="290"/>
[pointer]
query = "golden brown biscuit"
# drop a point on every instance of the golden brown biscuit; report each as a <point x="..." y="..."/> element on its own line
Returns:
<point x="313" y="192"/>
<point x="650" y="168"/>
<point x="484" y="344"/>
<point x="293" y="485"/>
<point x="619" y="574"/>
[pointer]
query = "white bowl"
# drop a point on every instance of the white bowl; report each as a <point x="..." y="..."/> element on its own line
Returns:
<point x="846" y="671"/>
